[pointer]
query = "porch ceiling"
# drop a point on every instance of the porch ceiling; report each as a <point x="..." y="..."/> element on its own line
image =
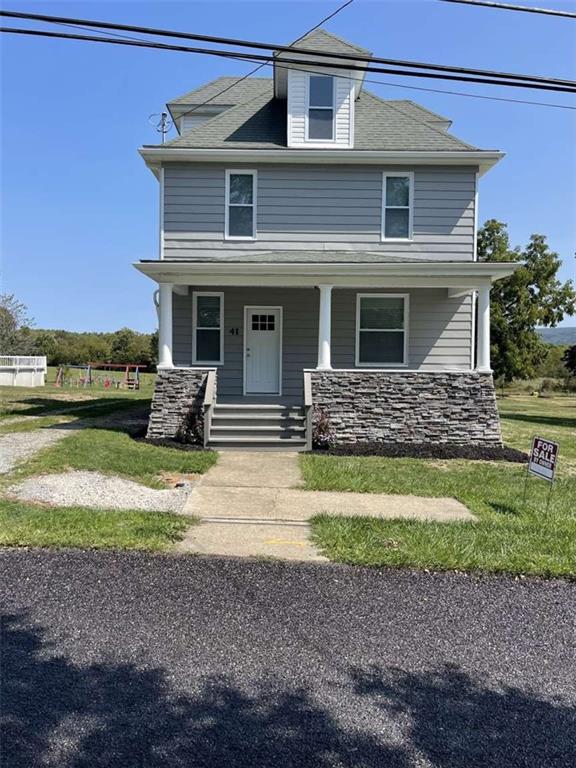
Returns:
<point x="421" y="274"/>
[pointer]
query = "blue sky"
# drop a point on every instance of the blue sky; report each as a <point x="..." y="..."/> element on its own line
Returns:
<point x="79" y="206"/>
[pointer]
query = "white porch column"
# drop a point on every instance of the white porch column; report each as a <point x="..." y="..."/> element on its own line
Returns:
<point x="483" y="330"/>
<point x="324" y="327"/>
<point x="165" y="326"/>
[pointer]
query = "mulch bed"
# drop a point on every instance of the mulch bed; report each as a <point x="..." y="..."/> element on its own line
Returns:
<point x="427" y="451"/>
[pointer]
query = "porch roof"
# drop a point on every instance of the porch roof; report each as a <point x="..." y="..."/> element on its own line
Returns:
<point x="312" y="269"/>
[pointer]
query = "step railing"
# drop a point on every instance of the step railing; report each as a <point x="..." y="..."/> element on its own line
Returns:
<point x="209" y="402"/>
<point x="308" y="409"/>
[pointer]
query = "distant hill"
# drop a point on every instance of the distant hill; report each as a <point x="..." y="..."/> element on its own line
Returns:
<point x="558" y="336"/>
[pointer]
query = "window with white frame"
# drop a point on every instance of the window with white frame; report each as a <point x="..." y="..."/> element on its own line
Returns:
<point x="241" y="205"/>
<point x="207" y="328"/>
<point x="321" y="107"/>
<point x="381" y="329"/>
<point x="397" y="201"/>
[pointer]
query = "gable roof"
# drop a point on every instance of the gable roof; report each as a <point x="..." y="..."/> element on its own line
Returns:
<point x="322" y="40"/>
<point x="260" y="123"/>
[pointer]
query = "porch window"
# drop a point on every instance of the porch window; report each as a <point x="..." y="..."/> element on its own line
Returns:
<point x="381" y="329"/>
<point x="397" y="202"/>
<point x="207" y="322"/>
<point x="240" y="205"/>
<point x="321" y="107"/>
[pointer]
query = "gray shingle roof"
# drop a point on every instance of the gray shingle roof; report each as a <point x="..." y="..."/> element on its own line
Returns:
<point x="260" y="123"/>
<point x="238" y="91"/>
<point x="321" y="40"/>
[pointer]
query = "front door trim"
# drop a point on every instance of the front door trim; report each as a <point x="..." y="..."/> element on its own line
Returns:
<point x="263" y="309"/>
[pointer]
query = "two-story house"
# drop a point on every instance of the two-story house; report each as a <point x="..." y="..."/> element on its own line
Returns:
<point x="317" y="256"/>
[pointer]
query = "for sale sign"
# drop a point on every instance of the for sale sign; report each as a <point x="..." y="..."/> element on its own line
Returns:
<point x="543" y="457"/>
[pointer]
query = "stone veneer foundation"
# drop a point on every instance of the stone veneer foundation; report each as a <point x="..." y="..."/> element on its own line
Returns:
<point x="178" y="394"/>
<point x="408" y="407"/>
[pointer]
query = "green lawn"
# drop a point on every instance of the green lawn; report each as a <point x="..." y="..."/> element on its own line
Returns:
<point x="33" y="525"/>
<point x="510" y="535"/>
<point x="115" y="453"/>
<point x="98" y="444"/>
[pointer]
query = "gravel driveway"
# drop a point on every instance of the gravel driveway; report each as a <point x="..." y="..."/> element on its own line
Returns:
<point x="18" y="446"/>
<point x="114" y="660"/>
<point x="93" y="489"/>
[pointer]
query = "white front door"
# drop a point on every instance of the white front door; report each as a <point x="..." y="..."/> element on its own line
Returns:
<point x="262" y="350"/>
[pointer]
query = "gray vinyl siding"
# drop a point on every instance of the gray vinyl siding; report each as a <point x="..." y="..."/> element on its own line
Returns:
<point x="440" y="331"/>
<point x="319" y="207"/>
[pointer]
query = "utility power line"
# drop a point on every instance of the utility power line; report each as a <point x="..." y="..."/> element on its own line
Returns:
<point x="281" y="48"/>
<point x="386" y="83"/>
<point x="570" y="86"/>
<point x="510" y="7"/>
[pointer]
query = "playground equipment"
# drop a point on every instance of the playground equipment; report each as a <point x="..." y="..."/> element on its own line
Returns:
<point x="101" y="375"/>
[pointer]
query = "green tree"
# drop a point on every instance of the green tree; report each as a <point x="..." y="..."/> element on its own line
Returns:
<point x="15" y="336"/>
<point x="532" y="296"/>
<point x="569" y="360"/>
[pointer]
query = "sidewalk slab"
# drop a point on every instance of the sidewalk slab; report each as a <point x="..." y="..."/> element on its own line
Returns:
<point x="294" y="504"/>
<point x="250" y="469"/>
<point x="247" y="539"/>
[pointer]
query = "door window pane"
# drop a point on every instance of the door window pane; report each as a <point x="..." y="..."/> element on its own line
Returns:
<point x="381" y="347"/>
<point x="397" y="222"/>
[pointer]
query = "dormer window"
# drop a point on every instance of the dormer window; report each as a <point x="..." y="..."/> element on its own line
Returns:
<point x="320" y="108"/>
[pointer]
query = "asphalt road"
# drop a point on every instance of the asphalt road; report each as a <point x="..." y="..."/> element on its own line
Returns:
<point x="138" y="660"/>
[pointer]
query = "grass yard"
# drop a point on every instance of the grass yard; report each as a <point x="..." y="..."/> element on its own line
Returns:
<point x="94" y="444"/>
<point x="114" y="452"/>
<point x="509" y="536"/>
<point x="33" y="525"/>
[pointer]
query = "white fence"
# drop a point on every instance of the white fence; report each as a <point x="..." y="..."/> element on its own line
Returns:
<point x="22" y="371"/>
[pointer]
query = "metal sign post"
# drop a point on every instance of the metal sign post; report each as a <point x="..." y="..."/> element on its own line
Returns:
<point x="542" y="463"/>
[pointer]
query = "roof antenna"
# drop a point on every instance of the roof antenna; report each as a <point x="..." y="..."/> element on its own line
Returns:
<point x="163" y="125"/>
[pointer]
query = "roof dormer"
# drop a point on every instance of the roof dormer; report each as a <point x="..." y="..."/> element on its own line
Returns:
<point x="320" y="99"/>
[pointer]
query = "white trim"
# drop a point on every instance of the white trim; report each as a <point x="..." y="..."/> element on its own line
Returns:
<point x="240" y="172"/>
<point x="251" y="308"/>
<point x="398" y="175"/>
<point x="406" y="298"/>
<point x="195" y="295"/>
<point x="161" y="216"/>
<point x="485" y="159"/>
<point x="473" y="332"/>
<point x="475" y="246"/>
<point x="329" y="142"/>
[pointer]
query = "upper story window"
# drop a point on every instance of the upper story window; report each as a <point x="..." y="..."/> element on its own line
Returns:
<point x="397" y="205"/>
<point x="240" y="218"/>
<point x="321" y="107"/>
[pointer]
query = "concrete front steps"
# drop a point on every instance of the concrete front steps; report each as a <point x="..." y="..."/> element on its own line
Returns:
<point x="258" y="427"/>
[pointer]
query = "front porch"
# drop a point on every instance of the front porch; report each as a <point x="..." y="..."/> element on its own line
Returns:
<point x="399" y="357"/>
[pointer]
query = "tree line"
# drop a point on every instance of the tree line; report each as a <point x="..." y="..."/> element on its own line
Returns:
<point x="18" y="337"/>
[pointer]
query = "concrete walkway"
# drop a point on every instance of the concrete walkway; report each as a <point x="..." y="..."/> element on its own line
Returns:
<point x="250" y="504"/>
